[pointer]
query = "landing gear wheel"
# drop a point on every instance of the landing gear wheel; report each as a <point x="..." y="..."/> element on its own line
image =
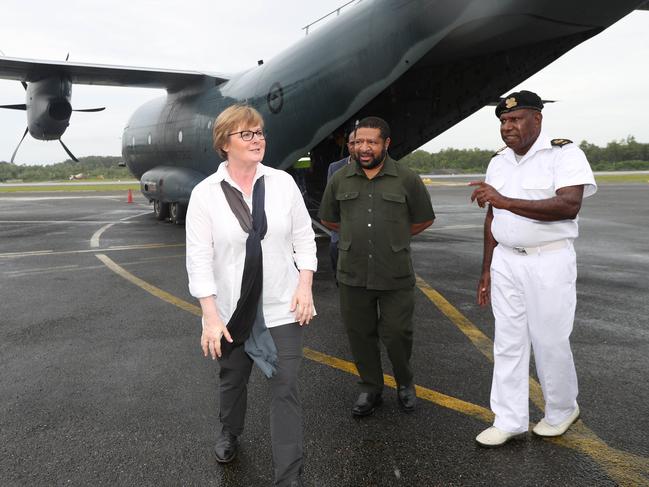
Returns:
<point x="177" y="213"/>
<point x="160" y="210"/>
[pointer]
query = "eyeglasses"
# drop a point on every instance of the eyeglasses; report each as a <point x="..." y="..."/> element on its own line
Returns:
<point x="248" y="135"/>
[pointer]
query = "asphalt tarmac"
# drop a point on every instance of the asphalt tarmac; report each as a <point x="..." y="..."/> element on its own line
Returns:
<point x="102" y="381"/>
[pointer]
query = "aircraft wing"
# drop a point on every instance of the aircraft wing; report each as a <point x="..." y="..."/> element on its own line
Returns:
<point x="28" y="70"/>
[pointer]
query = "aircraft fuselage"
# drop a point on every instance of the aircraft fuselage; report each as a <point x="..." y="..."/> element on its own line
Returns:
<point x="422" y="65"/>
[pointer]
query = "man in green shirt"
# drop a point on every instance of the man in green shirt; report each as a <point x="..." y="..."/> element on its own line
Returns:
<point x="376" y="205"/>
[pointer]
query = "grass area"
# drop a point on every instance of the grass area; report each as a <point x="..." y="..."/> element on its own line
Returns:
<point x="71" y="188"/>
<point x="601" y="179"/>
<point x="622" y="178"/>
<point x="117" y="186"/>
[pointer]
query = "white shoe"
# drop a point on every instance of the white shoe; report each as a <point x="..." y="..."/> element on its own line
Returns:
<point x="494" y="437"/>
<point x="543" y="428"/>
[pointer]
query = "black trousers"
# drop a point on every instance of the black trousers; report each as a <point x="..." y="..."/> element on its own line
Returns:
<point x="285" y="407"/>
<point x="371" y="315"/>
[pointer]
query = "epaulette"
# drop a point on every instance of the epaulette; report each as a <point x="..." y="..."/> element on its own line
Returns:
<point x="560" y="142"/>
<point x="498" y="151"/>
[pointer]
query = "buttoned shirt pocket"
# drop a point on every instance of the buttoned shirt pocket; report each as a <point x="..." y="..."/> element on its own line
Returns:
<point x="348" y="203"/>
<point x="346" y="263"/>
<point x="393" y="207"/>
<point x="400" y="264"/>
<point x="539" y="185"/>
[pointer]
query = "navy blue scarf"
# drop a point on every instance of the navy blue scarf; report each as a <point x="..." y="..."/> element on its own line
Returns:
<point x="247" y="322"/>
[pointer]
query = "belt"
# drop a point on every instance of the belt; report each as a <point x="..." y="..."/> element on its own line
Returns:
<point x="559" y="244"/>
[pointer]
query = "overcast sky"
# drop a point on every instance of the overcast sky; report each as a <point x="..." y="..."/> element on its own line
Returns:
<point x="601" y="85"/>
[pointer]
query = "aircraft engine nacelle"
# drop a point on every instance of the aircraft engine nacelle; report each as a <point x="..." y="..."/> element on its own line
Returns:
<point x="169" y="184"/>
<point x="48" y="107"/>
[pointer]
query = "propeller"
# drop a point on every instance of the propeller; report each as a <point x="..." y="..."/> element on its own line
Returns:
<point x="23" y="106"/>
<point x="66" y="150"/>
<point x="87" y="109"/>
<point x="20" y="106"/>
<point x="21" y="141"/>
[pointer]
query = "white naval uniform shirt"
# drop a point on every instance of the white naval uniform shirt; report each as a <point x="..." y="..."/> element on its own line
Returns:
<point x="216" y="244"/>
<point x="538" y="175"/>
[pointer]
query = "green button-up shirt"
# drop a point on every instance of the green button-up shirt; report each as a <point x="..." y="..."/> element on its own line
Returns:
<point x="375" y="217"/>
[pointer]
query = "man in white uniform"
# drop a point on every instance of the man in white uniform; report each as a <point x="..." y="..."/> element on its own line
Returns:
<point x="533" y="190"/>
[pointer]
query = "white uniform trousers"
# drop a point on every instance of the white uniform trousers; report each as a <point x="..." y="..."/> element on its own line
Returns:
<point x="533" y="300"/>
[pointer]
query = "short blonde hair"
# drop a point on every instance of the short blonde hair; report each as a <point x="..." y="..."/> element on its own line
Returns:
<point x="229" y="120"/>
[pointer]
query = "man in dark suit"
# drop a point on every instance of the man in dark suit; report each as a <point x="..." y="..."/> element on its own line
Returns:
<point x="333" y="167"/>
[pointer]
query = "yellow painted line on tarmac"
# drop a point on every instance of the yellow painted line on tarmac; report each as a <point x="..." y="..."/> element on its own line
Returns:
<point x="473" y="333"/>
<point x="479" y="339"/>
<point x="157" y="292"/>
<point x="626" y="469"/>
<point x="467" y="408"/>
<point x="449" y="402"/>
<point x="623" y="467"/>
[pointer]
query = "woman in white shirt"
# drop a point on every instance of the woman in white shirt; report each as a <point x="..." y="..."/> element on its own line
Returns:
<point x="251" y="256"/>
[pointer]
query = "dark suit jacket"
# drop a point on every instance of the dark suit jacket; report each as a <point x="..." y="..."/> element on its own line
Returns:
<point x="333" y="167"/>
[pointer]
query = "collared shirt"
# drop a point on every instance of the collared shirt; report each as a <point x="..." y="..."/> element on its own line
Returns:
<point x="216" y="244"/>
<point x="538" y="175"/>
<point x="375" y="217"/>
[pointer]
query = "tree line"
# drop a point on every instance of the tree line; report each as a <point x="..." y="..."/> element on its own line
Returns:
<point x="91" y="167"/>
<point x="619" y="155"/>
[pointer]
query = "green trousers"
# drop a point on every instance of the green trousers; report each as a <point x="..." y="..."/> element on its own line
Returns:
<point x="371" y="315"/>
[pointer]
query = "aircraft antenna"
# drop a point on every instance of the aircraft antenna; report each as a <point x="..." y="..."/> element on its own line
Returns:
<point x="335" y="11"/>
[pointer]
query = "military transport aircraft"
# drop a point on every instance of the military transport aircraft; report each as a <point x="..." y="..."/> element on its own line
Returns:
<point x="423" y="65"/>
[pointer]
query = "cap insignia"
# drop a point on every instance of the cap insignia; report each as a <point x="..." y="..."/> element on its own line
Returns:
<point x="511" y="102"/>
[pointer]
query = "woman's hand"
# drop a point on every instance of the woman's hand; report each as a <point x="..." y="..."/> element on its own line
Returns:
<point x="302" y="302"/>
<point x="213" y="330"/>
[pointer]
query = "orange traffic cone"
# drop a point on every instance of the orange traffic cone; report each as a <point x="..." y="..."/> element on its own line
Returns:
<point x="129" y="199"/>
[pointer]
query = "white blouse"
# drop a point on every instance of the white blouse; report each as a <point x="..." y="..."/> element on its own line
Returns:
<point x="216" y="244"/>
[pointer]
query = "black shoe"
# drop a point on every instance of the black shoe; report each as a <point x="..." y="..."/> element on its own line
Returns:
<point x="226" y="447"/>
<point x="366" y="403"/>
<point x="407" y="397"/>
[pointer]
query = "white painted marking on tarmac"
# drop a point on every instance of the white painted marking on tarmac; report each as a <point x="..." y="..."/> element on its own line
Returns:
<point x="37" y="271"/>
<point x="70" y="183"/>
<point x="41" y="270"/>
<point x="86" y="251"/>
<point x="47" y="198"/>
<point x="94" y="241"/>
<point x="67" y="222"/>
<point x="452" y="227"/>
<point x="27" y="254"/>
